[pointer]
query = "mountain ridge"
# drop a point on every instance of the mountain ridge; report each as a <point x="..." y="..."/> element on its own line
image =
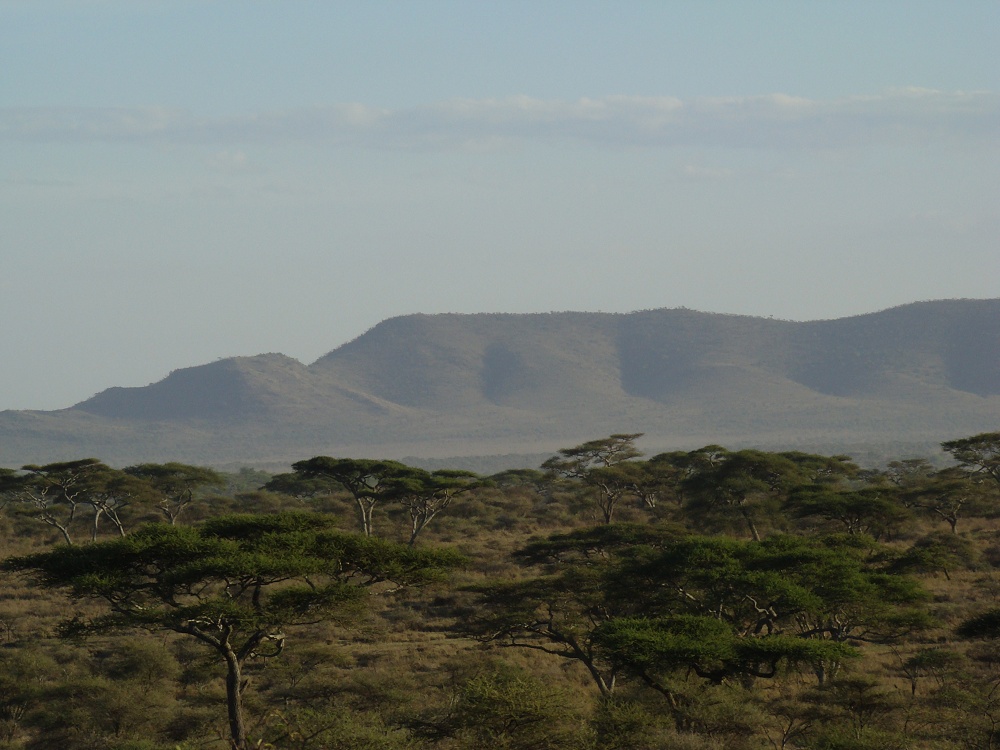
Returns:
<point x="485" y="383"/>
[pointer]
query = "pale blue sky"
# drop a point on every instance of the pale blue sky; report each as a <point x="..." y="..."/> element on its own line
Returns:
<point x="182" y="181"/>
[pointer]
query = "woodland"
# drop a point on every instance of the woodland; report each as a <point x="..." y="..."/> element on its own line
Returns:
<point x="694" y="600"/>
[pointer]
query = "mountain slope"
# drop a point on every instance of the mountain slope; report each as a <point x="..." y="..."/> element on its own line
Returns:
<point x="452" y="384"/>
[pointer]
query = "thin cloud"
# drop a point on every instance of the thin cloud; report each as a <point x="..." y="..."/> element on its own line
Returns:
<point x="703" y="172"/>
<point x="774" y="120"/>
<point x="229" y="161"/>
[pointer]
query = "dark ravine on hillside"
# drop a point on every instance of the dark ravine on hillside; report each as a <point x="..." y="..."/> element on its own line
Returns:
<point x="455" y="385"/>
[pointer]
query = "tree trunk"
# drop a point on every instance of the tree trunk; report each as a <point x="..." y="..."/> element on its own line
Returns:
<point x="63" y="529"/>
<point x="607" y="501"/>
<point x="365" y="509"/>
<point x="605" y="686"/>
<point x="234" y="701"/>
<point x="113" y="515"/>
<point x="751" y="526"/>
<point x="415" y="528"/>
<point x="97" y="521"/>
<point x="820" y="671"/>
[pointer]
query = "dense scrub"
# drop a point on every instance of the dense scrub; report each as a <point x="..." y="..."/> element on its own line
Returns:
<point x="691" y="600"/>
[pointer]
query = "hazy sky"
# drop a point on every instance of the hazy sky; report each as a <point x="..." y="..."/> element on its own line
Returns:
<point x="183" y="181"/>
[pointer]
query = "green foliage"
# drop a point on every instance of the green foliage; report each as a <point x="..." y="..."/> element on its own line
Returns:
<point x="815" y="588"/>
<point x="597" y="542"/>
<point x="577" y="461"/>
<point x="650" y="603"/>
<point x="709" y="647"/>
<point x="984" y="625"/>
<point x="979" y="454"/>
<point x="604" y="467"/>
<point x="178" y="484"/>
<point x="368" y="481"/>
<point x="951" y="495"/>
<point x="624" y="635"/>
<point x="297" y="485"/>
<point x="505" y="707"/>
<point x="875" y="511"/>
<point x="230" y="583"/>
<point x="304" y="728"/>
<point x="426" y="494"/>
<point x="742" y="489"/>
<point x="627" y="724"/>
<point x="71" y="495"/>
<point x="938" y="552"/>
<point x="214" y="576"/>
<point x="859" y="715"/>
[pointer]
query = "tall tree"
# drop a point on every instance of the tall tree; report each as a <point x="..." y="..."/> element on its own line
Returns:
<point x="558" y="611"/>
<point x="177" y="484"/>
<point x="234" y="584"/>
<point x="876" y="511"/>
<point x="665" y="477"/>
<point x="574" y="463"/>
<point x="368" y="481"/>
<point x="612" y="484"/>
<point x="951" y="495"/>
<point x="905" y="473"/>
<point x="61" y="494"/>
<point x="426" y="494"/>
<point x="608" y="595"/>
<point x="979" y="454"/>
<point x="710" y="648"/>
<point x="740" y="488"/>
<point x="604" y="466"/>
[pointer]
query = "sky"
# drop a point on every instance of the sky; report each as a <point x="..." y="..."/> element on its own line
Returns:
<point x="185" y="181"/>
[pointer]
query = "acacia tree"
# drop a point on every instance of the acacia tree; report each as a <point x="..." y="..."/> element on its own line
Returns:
<point x="177" y="484"/>
<point x="367" y="480"/>
<point x="558" y="611"/>
<point x="298" y="486"/>
<point x="832" y="588"/>
<point x="426" y="494"/>
<point x="577" y="461"/>
<point x="938" y="552"/>
<point x="52" y="492"/>
<point x="875" y="511"/>
<point x="906" y="473"/>
<point x="740" y="488"/>
<point x="709" y="647"/>
<point x="665" y="477"/>
<point x="109" y="492"/>
<point x="603" y="465"/>
<point x="818" y="469"/>
<point x="60" y="494"/>
<point x="648" y="601"/>
<point x="555" y="614"/>
<point x="950" y="495"/>
<point x="234" y="584"/>
<point x="979" y="454"/>
<point x="615" y="483"/>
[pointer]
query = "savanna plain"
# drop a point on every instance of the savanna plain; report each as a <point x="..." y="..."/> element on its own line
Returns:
<point x="696" y="600"/>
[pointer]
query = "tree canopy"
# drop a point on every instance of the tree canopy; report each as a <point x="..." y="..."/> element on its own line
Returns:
<point x="234" y="584"/>
<point x="645" y="601"/>
<point x="177" y="484"/>
<point x="368" y="481"/>
<point x="59" y="494"/>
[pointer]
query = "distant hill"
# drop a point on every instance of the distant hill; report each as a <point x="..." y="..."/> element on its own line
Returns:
<point x="454" y="385"/>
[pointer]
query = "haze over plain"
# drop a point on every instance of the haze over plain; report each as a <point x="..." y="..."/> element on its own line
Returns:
<point x="183" y="181"/>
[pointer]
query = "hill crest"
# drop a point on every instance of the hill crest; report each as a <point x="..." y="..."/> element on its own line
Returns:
<point x="453" y="384"/>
